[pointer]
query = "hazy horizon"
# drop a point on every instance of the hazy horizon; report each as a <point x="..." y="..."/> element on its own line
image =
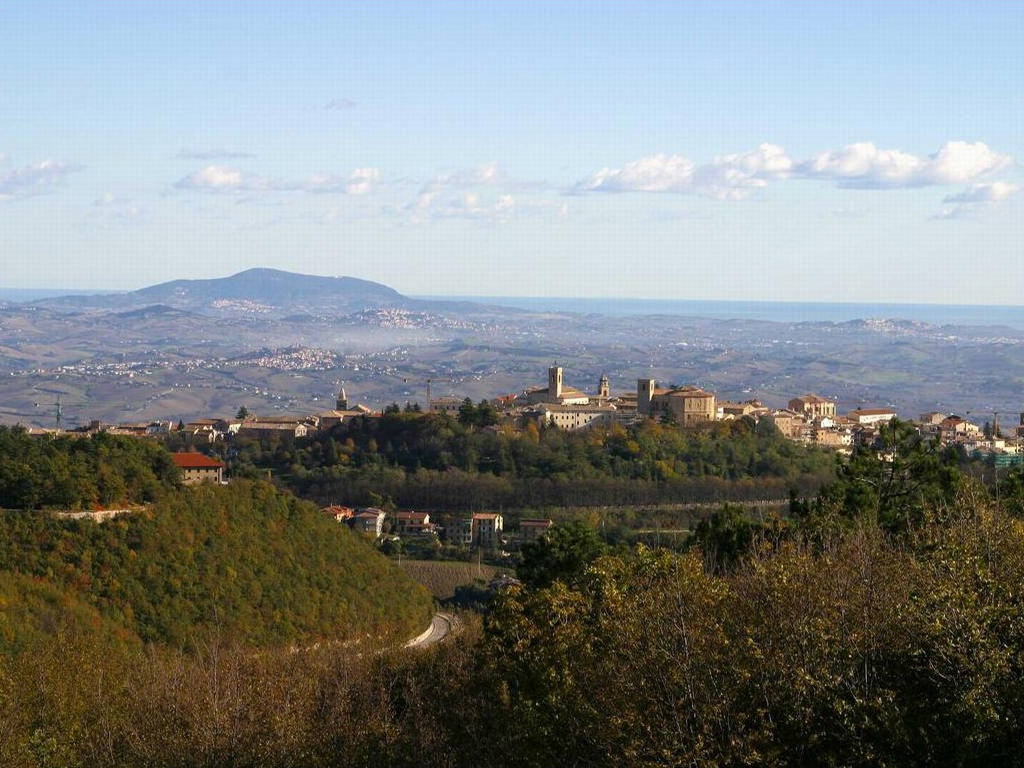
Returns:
<point x="39" y="292"/>
<point x="779" y="309"/>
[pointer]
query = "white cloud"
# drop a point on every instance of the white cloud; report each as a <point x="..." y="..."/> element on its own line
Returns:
<point x="986" y="192"/>
<point x="221" y="178"/>
<point x="727" y="177"/>
<point x="657" y="173"/>
<point x="976" y="198"/>
<point x="213" y="154"/>
<point x="733" y="177"/>
<point x="447" y="195"/>
<point x="484" y="175"/>
<point x="863" y="165"/>
<point x="34" y="179"/>
<point x="481" y="193"/>
<point x="113" y="209"/>
<point x="218" y="178"/>
<point x="361" y="180"/>
<point x="959" y="162"/>
<point x="470" y="206"/>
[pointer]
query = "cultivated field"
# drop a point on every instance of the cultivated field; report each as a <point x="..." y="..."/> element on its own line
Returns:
<point x="441" y="577"/>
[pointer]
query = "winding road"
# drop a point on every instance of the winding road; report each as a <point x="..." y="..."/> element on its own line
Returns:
<point x="440" y="627"/>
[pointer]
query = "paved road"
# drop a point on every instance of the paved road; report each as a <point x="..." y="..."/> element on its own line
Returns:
<point x="440" y="627"/>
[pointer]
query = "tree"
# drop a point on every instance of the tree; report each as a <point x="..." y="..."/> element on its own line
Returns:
<point x="726" y="536"/>
<point x="243" y="413"/>
<point x="486" y="415"/>
<point x="898" y="483"/>
<point x="562" y="554"/>
<point x="467" y="412"/>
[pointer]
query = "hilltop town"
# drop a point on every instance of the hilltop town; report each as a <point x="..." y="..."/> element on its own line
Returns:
<point x="806" y="418"/>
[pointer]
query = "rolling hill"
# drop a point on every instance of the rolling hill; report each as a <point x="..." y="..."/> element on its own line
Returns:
<point x="267" y="292"/>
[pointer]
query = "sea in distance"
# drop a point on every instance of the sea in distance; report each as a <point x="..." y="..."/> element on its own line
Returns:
<point x="773" y="311"/>
<point x="35" y="294"/>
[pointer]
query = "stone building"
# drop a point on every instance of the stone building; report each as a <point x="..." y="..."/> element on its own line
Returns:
<point x="689" y="405"/>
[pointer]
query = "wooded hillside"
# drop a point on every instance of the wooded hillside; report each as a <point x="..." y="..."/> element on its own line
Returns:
<point x="433" y="461"/>
<point x="261" y="566"/>
<point x="80" y="472"/>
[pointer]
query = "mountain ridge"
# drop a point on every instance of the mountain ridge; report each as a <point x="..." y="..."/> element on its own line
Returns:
<point x="259" y="290"/>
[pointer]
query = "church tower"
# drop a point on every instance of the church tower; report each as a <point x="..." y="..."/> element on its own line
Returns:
<point x="603" y="387"/>
<point x="644" y="395"/>
<point x="342" y="399"/>
<point x="554" y="382"/>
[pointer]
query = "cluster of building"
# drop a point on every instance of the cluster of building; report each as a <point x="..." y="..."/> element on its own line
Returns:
<point x="485" y="530"/>
<point x="814" y="419"/>
<point x="567" y="407"/>
<point x="242" y="425"/>
<point x="808" y="418"/>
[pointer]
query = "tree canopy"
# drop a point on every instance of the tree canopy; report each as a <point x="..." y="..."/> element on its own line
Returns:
<point x="436" y="462"/>
<point x="262" y="566"/>
<point x="81" y="472"/>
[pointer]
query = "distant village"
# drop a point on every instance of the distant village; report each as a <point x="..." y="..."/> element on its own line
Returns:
<point x="808" y="419"/>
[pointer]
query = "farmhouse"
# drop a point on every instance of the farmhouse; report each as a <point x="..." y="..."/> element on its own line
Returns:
<point x="197" y="467"/>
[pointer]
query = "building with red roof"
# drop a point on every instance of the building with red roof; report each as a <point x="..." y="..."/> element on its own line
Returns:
<point x="196" y="467"/>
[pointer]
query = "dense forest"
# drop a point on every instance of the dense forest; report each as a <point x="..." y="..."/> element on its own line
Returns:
<point x="80" y="473"/>
<point x="435" y="462"/>
<point x="880" y="623"/>
<point x="261" y="566"/>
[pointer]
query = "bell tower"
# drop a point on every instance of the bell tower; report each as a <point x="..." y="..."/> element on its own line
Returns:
<point x="644" y="395"/>
<point x="554" y="382"/>
<point x="342" y="399"/>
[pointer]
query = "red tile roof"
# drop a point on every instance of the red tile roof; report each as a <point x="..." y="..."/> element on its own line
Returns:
<point x="193" y="460"/>
<point x="410" y="515"/>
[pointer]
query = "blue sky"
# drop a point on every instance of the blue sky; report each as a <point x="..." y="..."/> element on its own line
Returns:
<point x="776" y="150"/>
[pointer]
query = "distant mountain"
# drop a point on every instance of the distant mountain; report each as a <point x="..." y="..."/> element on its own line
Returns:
<point x="267" y="292"/>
